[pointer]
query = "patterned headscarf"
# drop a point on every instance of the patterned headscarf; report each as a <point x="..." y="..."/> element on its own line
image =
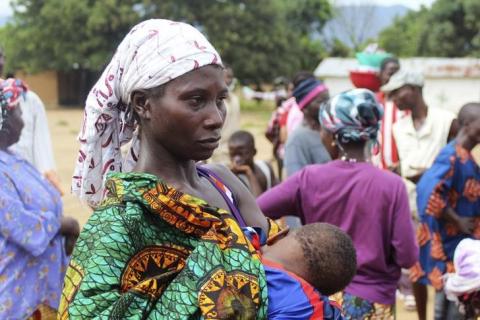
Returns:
<point x="307" y="90"/>
<point x="352" y="116"/>
<point x="11" y="91"/>
<point x="152" y="53"/>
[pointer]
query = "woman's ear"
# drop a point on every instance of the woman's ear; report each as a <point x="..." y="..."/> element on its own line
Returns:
<point x="141" y="105"/>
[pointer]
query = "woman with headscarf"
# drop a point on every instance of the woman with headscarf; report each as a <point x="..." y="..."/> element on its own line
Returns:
<point x="165" y="242"/>
<point x="369" y="204"/>
<point x="35" y="238"/>
<point x="303" y="146"/>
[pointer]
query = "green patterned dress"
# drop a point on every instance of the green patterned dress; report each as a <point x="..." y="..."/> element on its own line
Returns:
<point x="152" y="252"/>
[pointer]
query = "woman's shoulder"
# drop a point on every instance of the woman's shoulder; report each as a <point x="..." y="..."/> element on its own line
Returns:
<point x="224" y="174"/>
<point x="113" y="216"/>
<point x="384" y="175"/>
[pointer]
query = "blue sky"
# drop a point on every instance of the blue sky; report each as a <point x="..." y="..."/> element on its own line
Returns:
<point x="5" y="8"/>
<point x="414" y="4"/>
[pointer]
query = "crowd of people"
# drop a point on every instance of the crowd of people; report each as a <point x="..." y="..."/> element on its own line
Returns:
<point x="381" y="193"/>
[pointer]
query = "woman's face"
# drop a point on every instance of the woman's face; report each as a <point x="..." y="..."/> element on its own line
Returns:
<point x="13" y="127"/>
<point x="187" y="119"/>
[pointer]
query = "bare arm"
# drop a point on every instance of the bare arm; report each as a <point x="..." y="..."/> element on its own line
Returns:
<point x="465" y="224"/>
<point x="246" y="201"/>
<point x="255" y="187"/>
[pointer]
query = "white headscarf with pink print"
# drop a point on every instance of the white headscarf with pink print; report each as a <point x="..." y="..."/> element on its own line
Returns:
<point x="153" y="53"/>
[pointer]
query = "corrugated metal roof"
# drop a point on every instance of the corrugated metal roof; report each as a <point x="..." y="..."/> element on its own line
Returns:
<point x="430" y="67"/>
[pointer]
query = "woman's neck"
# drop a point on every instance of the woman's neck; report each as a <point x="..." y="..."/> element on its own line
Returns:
<point x="163" y="165"/>
<point x="465" y="140"/>
<point x="312" y="123"/>
<point x="353" y="153"/>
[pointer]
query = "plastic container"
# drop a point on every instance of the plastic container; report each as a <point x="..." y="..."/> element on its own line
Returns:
<point x="365" y="79"/>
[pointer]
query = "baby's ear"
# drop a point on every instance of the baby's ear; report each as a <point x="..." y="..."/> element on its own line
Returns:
<point x="278" y="236"/>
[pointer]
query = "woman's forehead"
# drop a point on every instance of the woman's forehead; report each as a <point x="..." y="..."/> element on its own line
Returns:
<point x="204" y="78"/>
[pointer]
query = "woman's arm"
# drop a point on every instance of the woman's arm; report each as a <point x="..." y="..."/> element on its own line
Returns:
<point x="283" y="199"/>
<point x="255" y="187"/>
<point x="246" y="201"/>
<point x="403" y="238"/>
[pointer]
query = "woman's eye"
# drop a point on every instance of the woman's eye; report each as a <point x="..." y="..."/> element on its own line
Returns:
<point x="221" y="100"/>
<point x="195" y="101"/>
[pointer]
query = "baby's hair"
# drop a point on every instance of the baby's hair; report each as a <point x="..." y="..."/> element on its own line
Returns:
<point x="330" y="256"/>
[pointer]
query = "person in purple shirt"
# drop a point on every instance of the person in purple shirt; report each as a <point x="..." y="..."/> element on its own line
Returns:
<point x="35" y="238"/>
<point x="369" y="204"/>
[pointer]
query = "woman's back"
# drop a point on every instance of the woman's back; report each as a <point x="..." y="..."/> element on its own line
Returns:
<point x="369" y="204"/>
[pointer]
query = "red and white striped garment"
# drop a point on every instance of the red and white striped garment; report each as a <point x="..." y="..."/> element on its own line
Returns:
<point x="388" y="156"/>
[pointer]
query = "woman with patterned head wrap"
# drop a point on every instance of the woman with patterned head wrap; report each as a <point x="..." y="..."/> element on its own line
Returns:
<point x="165" y="242"/>
<point x="303" y="146"/>
<point x="369" y="204"/>
<point x="34" y="236"/>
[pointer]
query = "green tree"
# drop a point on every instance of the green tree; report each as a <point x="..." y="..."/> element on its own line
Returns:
<point x="450" y="28"/>
<point x="405" y="36"/>
<point x="454" y="29"/>
<point x="260" y="39"/>
<point x="339" y="49"/>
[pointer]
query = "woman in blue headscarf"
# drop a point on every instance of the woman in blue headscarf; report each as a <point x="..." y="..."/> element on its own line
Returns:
<point x="369" y="204"/>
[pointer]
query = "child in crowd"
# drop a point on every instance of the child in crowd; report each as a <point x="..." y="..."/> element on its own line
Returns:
<point x="463" y="286"/>
<point x="303" y="267"/>
<point x="257" y="175"/>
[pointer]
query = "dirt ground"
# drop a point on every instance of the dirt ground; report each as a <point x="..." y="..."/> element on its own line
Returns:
<point x="65" y="124"/>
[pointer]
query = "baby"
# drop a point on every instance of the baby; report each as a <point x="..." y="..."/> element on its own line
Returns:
<point x="303" y="267"/>
<point x="463" y="286"/>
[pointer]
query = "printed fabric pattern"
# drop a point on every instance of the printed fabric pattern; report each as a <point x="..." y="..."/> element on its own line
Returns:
<point x="151" y="251"/>
<point x="453" y="181"/>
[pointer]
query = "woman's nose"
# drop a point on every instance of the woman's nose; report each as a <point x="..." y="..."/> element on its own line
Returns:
<point x="215" y="117"/>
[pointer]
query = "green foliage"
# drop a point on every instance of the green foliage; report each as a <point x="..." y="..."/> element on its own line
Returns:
<point x="260" y="39"/>
<point x="404" y="37"/>
<point x="450" y="28"/>
<point x="339" y="49"/>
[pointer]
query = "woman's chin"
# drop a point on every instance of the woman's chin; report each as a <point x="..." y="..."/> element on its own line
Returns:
<point x="203" y="156"/>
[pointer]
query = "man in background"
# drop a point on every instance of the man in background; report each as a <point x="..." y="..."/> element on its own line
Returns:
<point x="419" y="137"/>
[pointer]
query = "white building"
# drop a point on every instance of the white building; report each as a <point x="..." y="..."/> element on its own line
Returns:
<point x="449" y="82"/>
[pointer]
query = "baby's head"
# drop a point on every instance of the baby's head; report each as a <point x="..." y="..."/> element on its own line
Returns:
<point x="320" y="253"/>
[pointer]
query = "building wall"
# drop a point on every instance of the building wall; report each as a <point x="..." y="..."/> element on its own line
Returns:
<point x="447" y="93"/>
<point x="45" y="84"/>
